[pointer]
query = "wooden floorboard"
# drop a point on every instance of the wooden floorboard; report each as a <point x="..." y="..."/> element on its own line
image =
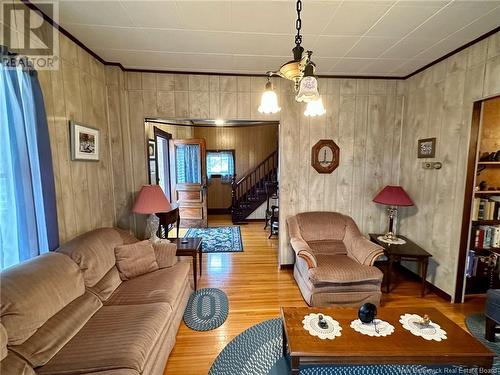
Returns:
<point x="256" y="289"/>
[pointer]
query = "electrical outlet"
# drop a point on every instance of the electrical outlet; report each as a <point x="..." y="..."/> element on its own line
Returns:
<point x="427" y="165"/>
<point x="432" y="165"/>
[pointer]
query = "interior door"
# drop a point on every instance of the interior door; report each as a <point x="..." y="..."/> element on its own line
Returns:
<point x="189" y="181"/>
<point x="162" y="161"/>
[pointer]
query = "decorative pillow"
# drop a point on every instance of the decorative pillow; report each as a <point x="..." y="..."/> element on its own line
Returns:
<point x="165" y="252"/>
<point x="135" y="259"/>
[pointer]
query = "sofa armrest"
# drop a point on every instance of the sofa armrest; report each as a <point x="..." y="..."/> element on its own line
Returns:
<point x="365" y="251"/>
<point x="165" y="253"/>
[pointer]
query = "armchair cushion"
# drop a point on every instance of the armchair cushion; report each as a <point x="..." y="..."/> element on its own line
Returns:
<point x="328" y="247"/>
<point x="165" y="253"/>
<point x="342" y="270"/>
<point x="135" y="259"/>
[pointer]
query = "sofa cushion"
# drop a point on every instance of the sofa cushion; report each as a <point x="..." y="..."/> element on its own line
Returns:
<point x="107" y="285"/>
<point x="34" y="291"/>
<point x="135" y="259"/>
<point x="94" y="252"/>
<point x="116" y="337"/>
<point x="58" y="330"/>
<point x="165" y="252"/>
<point x="342" y="269"/>
<point x="164" y="285"/>
<point x="319" y="226"/>
<point x="13" y="365"/>
<point x="333" y="247"/>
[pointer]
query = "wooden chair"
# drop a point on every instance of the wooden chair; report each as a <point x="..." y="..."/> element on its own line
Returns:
<point x="272" y="194"/>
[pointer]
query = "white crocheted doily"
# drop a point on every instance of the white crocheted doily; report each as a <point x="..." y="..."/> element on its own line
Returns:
<point x="377" y="328"/>
<point x="310" y="324"/>
<point x="432" y="331"/>
<point x="399" y="241"/>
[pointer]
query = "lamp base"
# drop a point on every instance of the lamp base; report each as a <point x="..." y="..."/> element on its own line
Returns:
<point x="152" y="225"/>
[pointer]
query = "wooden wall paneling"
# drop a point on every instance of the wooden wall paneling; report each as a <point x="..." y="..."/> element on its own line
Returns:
<point x="332" y="100"/>
<point x="78" y="169"/>
<point x="303" y="160"/>
<point x="316" y="183"/>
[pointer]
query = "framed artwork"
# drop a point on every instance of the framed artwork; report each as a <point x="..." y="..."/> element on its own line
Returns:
<point x="325" y="156"/>
<point x="84" y="142"/>
<point x="427" y="148"/>
<point x="151" y="149"/>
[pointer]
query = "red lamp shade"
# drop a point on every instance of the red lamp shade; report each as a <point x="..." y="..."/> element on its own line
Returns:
<point x="150" y="200"/>
<point x="393" y="196"/>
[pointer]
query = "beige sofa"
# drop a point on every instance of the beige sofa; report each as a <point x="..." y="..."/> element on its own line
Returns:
<point x="68" y="312"/>
<point x="334" y="261"/>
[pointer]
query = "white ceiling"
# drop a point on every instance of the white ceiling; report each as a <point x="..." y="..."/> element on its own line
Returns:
<point x="350" y="37"/>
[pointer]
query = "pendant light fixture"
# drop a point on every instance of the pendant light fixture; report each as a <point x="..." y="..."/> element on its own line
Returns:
<point x="300" y="70"/>
<point x="269" y="100"/>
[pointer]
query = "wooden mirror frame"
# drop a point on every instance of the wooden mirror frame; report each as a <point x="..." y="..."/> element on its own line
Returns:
<point x="315" y="161"/>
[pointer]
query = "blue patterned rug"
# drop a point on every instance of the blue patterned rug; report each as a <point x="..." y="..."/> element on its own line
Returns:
<point x="218" y="239"/>
<point x="259" y="351"/>
<point x="475" y="325"/>
<point x="206" y="309"/>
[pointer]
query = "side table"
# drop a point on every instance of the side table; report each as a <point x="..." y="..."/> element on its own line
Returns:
<point x="192" y="248"/>
<point x="409" y="251"/>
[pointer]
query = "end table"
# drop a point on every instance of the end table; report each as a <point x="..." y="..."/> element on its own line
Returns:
<point x="191" y="247"/>
<point x="408" y="251"/>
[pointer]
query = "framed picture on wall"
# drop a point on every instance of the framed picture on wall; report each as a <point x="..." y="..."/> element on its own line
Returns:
<point x="84" y="142"/>
<point x="427" y="148"/>
<point x="151" y="149"/>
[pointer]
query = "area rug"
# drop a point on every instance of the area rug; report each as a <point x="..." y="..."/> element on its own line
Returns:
<point x="206" y="309"/>
<point x="475" y="325"/>
<point x="218" y="239"/>
<point x="258" y="351"/>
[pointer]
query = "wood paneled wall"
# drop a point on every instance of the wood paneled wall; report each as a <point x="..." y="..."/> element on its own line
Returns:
<point x="439" y="104"/>
<point x="84" y="190"/>
<point x="252" y="145"/>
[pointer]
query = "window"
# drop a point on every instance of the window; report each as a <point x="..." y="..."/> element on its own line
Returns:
<point x="220" y="163"/>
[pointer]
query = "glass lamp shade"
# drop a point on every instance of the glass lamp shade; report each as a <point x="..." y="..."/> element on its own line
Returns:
<point x="315" y="108"/>
<point x="308" y="90"/>
<point x="269" y="102"/>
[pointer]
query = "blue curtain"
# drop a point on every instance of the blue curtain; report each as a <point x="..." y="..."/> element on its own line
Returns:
<point x="28" y="219"/>
<point x="188" y="164"/>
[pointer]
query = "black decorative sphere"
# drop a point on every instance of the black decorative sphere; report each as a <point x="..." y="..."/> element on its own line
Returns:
<point x="367" y="312"/>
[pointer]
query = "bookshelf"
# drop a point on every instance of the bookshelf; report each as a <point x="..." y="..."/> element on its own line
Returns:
<point x="483" y="245"/>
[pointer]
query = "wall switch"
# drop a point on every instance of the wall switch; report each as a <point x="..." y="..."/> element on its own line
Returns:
<point x="432" y="165"/>
<point x="427" y="165"/>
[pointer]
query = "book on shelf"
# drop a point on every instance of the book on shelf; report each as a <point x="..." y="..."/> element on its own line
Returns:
<point x="487" y="236"/>
<point x="486" y="208"/>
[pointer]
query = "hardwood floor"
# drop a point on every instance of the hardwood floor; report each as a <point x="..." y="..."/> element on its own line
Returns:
<point x="256" y="289"/>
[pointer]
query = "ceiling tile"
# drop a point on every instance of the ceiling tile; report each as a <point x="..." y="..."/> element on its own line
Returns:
<point x="409" y="67"/>
<point x="334" y="46"/>
<point x="161" y="14"/>
<point x="408" y="48"/>
<point x="350" y="65"/>
<point x="402" y="19"/>
<point x="356" y="17"/>
<point x="93" y="13"/>
<point x="205" y="15"/>
<point x="382" y="66"/>
<point x="371" y="47"/>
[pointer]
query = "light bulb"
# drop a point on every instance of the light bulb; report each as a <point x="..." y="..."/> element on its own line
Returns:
<point x="315" y="108"/>
<point x="269" y="100"/>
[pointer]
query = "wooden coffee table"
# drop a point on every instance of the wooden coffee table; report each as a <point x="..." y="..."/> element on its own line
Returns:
<point x="190" y="247"/>
<point x="402" y="347"/>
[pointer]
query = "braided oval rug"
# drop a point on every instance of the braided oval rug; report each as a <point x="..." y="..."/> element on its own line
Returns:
<point x="206" y="309"/>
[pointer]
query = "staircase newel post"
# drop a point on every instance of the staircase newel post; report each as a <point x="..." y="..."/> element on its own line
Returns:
<point x="234" y="199"/>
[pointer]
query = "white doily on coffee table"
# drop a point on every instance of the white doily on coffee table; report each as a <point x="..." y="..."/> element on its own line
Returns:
<point x="432" y="331"/>
<point x="310" y="324"/>
<point x="399" y="241"/>
<point x="377" y="328"/>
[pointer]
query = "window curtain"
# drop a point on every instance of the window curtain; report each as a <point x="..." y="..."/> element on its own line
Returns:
<point x="28" y="215"/>
<point x="188" y="164"/>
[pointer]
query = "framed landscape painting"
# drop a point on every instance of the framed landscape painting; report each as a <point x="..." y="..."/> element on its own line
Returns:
<point x="84" y="142"/>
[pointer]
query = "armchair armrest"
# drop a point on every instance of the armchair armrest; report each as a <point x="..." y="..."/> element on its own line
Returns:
<point x="298" y="244"/>
<point x="365" y="251"/>
<point x="165" y="253"/>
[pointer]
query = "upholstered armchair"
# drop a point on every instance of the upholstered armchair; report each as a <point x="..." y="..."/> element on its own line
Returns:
<point x="334" y="261"/>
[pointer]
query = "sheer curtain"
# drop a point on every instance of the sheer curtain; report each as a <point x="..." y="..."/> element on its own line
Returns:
<point x="188" y="164"/>
<point x="28" y="220"/>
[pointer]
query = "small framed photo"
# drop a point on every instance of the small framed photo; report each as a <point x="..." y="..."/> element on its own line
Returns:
<point x="151" y="149"/>
<point x="427" y="148"/>
<point x="84" y="142"/>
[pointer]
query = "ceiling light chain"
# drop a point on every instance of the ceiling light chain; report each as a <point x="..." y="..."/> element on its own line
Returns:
<point x="300" y="70"/>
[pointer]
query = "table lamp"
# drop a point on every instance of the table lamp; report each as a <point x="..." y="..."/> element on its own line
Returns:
<point x="150" y="200"/>
<point x="392" y="196"/>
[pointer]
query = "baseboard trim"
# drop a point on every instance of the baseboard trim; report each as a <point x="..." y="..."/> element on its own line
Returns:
<point x="438" y="291"/>
<point x="286" y="266"/>
<point x="256" y="220"/>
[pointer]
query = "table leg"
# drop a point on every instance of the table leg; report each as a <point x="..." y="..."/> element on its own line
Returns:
<point x="285" y="349"/>
<point x="201" y="259"/>
<point x="195" y="269"/>
<point x="390" y="264"/>
<point x="424" y="264"/>
<point x="295" y="364"/>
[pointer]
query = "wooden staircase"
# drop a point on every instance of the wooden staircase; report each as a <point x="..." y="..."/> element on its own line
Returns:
<point x="249" y="192"/>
